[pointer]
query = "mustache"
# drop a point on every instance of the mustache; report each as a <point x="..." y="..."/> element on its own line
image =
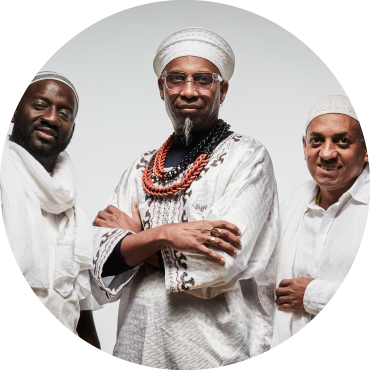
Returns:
<point x="49" y="129"/>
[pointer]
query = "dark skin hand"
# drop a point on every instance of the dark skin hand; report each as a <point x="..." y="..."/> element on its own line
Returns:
<point x="290" y="294"/>
<point x="86" y="328"/>
<point x="183" y="237"/>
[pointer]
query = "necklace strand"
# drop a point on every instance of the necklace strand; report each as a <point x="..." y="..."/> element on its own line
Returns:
<point x="155" y="172"/>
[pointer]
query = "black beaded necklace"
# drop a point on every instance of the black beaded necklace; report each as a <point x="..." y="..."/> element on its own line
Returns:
<point x="217" y="134"/>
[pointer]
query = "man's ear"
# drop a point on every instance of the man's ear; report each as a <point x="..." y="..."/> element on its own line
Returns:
<point x="304" y="146"/>
<point x="223" y="90"/>
<point x="73" y="130"/>
<point x="366" y="157"/>
<point x="160" y="86"/>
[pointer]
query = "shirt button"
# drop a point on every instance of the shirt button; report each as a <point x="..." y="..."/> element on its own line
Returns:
<point x="305" y="321"/>
<point x="322" y="236"/>
<point x="316" y="264"/>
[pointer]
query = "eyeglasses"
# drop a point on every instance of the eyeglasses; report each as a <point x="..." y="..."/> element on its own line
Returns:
<point x="202" y="81"/>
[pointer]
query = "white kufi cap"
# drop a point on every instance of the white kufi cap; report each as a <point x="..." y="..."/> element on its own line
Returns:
<point x="196" y="42"/>
<point x="49" y="75"/>
<point x="331" y="104"/>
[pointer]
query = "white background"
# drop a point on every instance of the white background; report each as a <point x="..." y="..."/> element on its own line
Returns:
<point x="335" y="30"/>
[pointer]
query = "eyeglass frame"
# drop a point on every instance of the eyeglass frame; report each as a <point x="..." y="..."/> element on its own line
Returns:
<point x="215" y="76"/>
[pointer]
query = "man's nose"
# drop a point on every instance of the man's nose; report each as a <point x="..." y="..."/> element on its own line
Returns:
<point x="328" y="151"/>
<point x="51" y="116"/>
<point x="189" y="91"/>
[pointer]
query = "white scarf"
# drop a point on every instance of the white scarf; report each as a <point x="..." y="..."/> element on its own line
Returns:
<point x="26" y="189"/>
<point x="292" y="211"/>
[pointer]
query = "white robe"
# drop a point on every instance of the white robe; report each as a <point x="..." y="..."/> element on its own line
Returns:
<point x="215" y="315"/>
<point x="333" y="237"/>
<point x="49" y="231"/>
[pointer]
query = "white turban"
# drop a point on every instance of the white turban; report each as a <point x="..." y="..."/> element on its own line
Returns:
<point x="331" y="104"/>
<point x="196" y="42"/>
<point x="49" y="75"/>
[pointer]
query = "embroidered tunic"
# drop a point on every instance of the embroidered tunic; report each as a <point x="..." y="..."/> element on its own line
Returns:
<point x="198" y="313"/>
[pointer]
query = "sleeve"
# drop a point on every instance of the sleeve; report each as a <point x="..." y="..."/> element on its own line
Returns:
<point x="318" y="293"/>
<point x="104" y="288"/>
<point x="250" y="202"/>
<point x="89" y="304"/>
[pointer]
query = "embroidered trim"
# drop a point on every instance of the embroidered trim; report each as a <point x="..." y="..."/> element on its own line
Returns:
<point x="108" y="242"/>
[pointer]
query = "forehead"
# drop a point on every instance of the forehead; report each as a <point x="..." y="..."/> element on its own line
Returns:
<point x="190" y="64"/>
<point x="55" y="91"/>
<point x="333" y="123"/>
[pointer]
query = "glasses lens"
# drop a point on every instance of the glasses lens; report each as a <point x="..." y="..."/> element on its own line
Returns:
<point x="175" y="81"/>
<point x="203" y="81"/>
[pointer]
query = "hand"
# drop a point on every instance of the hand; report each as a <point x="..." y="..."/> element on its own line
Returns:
<point x="113" y="218"/>
<point x="290" y="294"/>
<point x="191" y="237"/>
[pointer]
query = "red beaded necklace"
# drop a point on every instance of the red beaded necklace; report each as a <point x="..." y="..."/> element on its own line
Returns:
<point x="156" y="163"/>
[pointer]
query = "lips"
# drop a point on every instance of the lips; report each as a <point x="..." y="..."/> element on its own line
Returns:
<point x="329" y="168"/>
<point x="45" y="133"/>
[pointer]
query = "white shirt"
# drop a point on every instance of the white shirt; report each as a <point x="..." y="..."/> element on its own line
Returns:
<point x="328" y="245"/>
<point x="66" y="310"/>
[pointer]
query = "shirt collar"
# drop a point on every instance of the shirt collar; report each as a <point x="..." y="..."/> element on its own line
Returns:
<point x="360" y="190"/>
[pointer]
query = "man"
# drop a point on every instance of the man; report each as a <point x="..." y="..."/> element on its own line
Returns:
<point x="48" y="228"/>
<point x="206" y="186"/>
<point x="322" y="221"/>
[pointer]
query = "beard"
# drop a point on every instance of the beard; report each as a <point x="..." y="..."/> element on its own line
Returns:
<point x="24" y="133"/>
<point x="186" y="129"/>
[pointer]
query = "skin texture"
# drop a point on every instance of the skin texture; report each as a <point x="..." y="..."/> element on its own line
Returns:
<point x="202" y="108"/>
<point x="44" y="120"/>
<point x="86" y="328"/>
<point x="44" y="125"/>
<point x="333" y="140"/>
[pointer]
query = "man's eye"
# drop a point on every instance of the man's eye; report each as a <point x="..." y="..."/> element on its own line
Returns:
<point x="64" y="115"/>
<point x="38" y="106"/>
<point x="314" y="140"/>
<point x="343" y="140"/>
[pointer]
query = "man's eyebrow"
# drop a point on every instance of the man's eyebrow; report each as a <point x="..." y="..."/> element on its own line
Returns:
<point x="315" y="133"/>
<point x="41" y="98"/>
<point x="344" y="133"/>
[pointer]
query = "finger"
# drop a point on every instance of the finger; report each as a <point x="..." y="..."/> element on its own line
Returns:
<point x="135" y="212"/>
<point x="299" y="276"/>
<point x="285" y="307"/>
<point x="283" y="299"/>
<point x="285" y="282"/>
<point x="211" y="254"/>
<point x="281" y="292"/>
<point x="231" y="238"/>
<point x="99" y="222"/>
<point x="224" y="246"/>
<point x="112" y="209"/>
<point x="226" y="225"/>
<point x="102" y="214"/>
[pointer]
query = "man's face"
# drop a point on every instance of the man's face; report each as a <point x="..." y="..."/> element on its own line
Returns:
<point x="44" y="119"/>
<point x="334" y="151"/>
<point x="202" y="108"/>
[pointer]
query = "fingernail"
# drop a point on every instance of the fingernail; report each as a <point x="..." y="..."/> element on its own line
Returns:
<point x="235" y="252"/>
<point x="223" y="260"/>
<point x="239" y="232"/>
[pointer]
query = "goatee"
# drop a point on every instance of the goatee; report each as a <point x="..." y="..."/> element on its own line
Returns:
<point x="187" y="127"/>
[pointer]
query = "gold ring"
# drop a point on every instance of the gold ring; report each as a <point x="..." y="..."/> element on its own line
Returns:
<point x="216" y="232"/>
<point x="211" y="241"/>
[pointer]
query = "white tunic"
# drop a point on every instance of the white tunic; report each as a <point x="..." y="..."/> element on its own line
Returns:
<point x="66" y="310"/>
<point x="215" y="315"/>
<point x="328" y="242"/>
